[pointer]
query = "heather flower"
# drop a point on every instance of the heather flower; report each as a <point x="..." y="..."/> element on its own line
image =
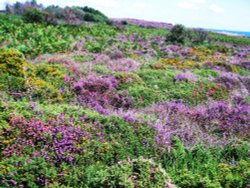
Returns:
<point x="66" y="78"/>
<point x="116" y="54"/>
<point x="13" y="182"/>
<point x="55" y="140"/>
<point x="99" y="93"/>
<point x="186" y="76"/>
<point x="32" y="105"/>
<point x="198" y="124"/>
<point x="223" y="117"/>
<point x="123" y="65"/>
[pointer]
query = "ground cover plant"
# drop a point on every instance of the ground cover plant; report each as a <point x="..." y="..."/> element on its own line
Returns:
<point x="92" y="102"/>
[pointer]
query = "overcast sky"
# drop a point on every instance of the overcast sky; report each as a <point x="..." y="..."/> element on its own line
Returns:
<point x="217" y="14"/>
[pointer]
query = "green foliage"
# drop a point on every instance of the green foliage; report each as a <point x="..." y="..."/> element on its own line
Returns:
<point x="230" y="67"/>
<point x="217" y="48"/>
<point x="230" y="39"/>
<point x="12" y="70"/>
<point x="144" y="96"/>
<point x="94" y="18"/>
<point x="127" y="80"/>
<point x="178" y="34"/>
<point x="12" y="62"/>
<point x="205" y="73"/>
<point x="198" y="36"/>
<point x="19" y="169"/>
<point x="110" y="154"/>
<point x="34" y="16"/>
<point x="181" y="35"/>
<point x="160" y="85"/>
<point x="83" y="57"/>
<point x="132" y="173"/>
<point x="35" y="13"/>
<point x="202" y="167"/>
<point x="11" y="83"/>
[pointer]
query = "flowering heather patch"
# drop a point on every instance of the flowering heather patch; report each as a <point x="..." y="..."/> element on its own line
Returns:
<point x="57" y="140"/>
<point x="223" y="118"/>
<point x="186" y="76"/>
<point x="172" y="120"/>
<point x="99" y="92"/>
<point x="234" y="83"/>
<point x="123" y="65"/>
<point x="200" y="124"/>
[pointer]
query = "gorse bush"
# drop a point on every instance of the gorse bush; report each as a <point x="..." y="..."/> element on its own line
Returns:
<point x="12" y="70"/>
<point x="12" y="62"/>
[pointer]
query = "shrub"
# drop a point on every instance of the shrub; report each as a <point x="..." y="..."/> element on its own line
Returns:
<point x="12" y="61"/>
<point x="205" y="73"/>
<point x="127" y="80"/>
<point x="12" y="70"/>
<point x="144" y="96"/>
<point x="178" y="34"/>
<point x="133" y="173"/>
<point x="123" y="65"/>
<point x="90" y="17"/>
<point x="34" y="16"/>
<point x="222" y="118"/>
<point x="186" y="76"/>
<point x="57" y="140"/>
<point x="180" y="63"/>
<point x="26" y="171"/>
<point x="95" y="12"/>
<point x="197" y="36"/>
<point x="99" y="93"/>
<point x="11" y="83"/>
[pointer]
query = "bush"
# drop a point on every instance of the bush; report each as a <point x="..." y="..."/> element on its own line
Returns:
<point x="12" y="61"/>
<point x="93" y="11"/>
<point x="197" y="36"/>
<point x="89" y="17"/>
<point x="99" y="93"/>
<point x="178" y="34"/>
<point x="92" y="15"/>
<point x="34" y="16"/>
<point x="18" y="172"/>
<point x="133" y="173"/>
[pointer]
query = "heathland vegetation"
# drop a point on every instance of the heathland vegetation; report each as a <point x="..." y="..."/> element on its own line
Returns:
<point x="87" y="101"/>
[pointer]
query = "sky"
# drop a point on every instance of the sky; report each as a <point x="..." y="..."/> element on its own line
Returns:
<point x="216" y="14"/>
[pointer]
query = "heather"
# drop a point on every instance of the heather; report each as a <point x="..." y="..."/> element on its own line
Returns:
<point x="87" y="102"/>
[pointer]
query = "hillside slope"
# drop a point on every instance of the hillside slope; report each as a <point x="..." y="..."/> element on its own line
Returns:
<point x="119" y="105"/>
